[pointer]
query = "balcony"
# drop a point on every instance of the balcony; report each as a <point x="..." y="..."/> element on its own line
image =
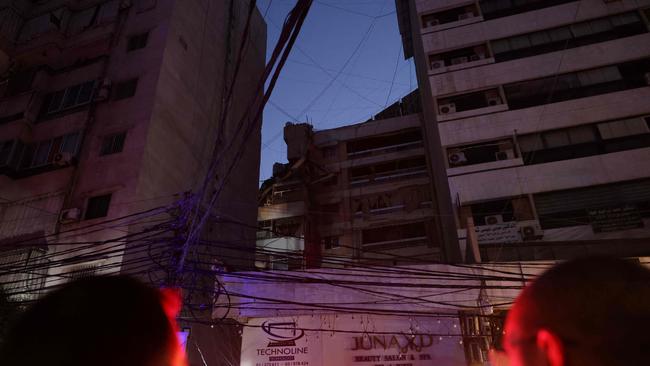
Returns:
<point x="389" y="171"/>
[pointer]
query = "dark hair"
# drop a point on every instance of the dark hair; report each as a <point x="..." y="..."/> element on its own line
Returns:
<point x="93" y="321"/>
<point x="599" y="305"/>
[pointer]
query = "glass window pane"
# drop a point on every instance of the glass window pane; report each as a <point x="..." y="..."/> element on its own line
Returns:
<point x="28" y="156"/>
<point x="71" y="95"/>
<point x="107" y="145"/>
<point x="55" y="101"/>
<point x="629" y="18"/>
<point x="86" y="92"/>
<point x="500" y="46"/>
<point x="118" y="142"/>
<point x="610" y="73"/>
<point x="530" y="142"/>
<point x="519" y="42"/>
<point x="556" y="139"/>
<point x="538" y="38"/>
<point x="582" y="134"/>
<point x="42" y="152"/>
<point x="601" y="25"/>
<point x="581" y="30"/>
<point x="70" y="143"/>
<point x="560" y="34"/>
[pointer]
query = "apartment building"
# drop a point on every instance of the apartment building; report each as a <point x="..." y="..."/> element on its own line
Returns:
<point x="542" y="111"/>
<point x="358" y="193"/>
<point x="111" y="108"/>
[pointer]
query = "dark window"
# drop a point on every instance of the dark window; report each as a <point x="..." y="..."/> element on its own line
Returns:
<point x="113" y="144"/>
<point x="575" y="35"/>
<point x="137" y="41"/>
<point x="384" y="143"/>
<point x="493" y="212"/>
<point x="330" y="242"/>
<point x="582" y="141"/>
<point x="449" y="16"/>
<point x="329" y="152"/>
<point x="125" y="89"/>
<point x="392" y="170"/>
<point x="481" y="153"/>
<point x="459" y="56"/>
<point x="573" y="207"/>
<point x="575" y="85"/>
<point x="466" y="102"/>
<point x="20" y="82"/>
<point x="44" y="152"/>
<point x="394" y="233"/>
<point x="500" y="8"/>
<point x="98" y="206"/>
<point x="71" y="97"/>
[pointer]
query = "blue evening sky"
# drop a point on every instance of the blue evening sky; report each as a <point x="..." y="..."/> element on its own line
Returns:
<point x="346" y="66"/>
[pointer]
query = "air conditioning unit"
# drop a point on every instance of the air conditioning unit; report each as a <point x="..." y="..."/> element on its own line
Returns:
<point x="477" y="56"/>
<point x="505" y="155"/>
<point x="459" y="60"/>
<point x="493" y="219"/>
<point x="647" y="78"/>
<point x="436" y="64"/>
<point x="70" y="215"/>
<point x="431" y="23"/>
<point x="104" y="90"/>
<point x="456" y="158"/>
<point x="447" y="108"/>
<point x="493" y="100"/>
<point x="62" y="159"/>
<point x="465" y="16"/>
<point x="531" y="232"/>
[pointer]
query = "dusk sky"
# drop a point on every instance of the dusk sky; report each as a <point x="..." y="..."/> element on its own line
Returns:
<point x="347" y="65"/>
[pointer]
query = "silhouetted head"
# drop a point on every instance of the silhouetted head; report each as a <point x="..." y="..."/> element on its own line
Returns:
<point x="97" y="321"/>
<point x="590" y="311"/>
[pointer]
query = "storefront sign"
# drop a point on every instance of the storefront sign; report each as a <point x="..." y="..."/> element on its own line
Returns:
<point x="615" y="219"/>
<point x="507" y="232"/>
<point x="317" y="341"/>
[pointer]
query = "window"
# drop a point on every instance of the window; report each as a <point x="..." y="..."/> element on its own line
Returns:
<point x="389" y="236"/>
<point x="575" y="85"/>
<point x="466" y="102"/>
<point x="481" y="153"/>
<point x="125" y="89"/>
<point x="98" y="206"/>
<point x="392" y="170"/>
<point x="457" y="57"/>
<point x="449" y="16"/>
<point x="492" y="9"/>
<point x="329" y="152"/>
<point x="137" y="41"/>
<point x="622" y="206"/>
<point x="587" y="140"/>
<point x="71" y="97"/>
<point x="43" y="153"/>
<point x="330" y="242"/>
<point x="113" y="144"/>
<point x="493" y="212"/>
<point x="377" y="145"/>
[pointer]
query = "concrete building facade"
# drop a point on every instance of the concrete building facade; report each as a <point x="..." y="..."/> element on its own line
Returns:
<point x="541" y="110"/>
<point x="112" y="108"/>
<point x="358" y="193"/>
